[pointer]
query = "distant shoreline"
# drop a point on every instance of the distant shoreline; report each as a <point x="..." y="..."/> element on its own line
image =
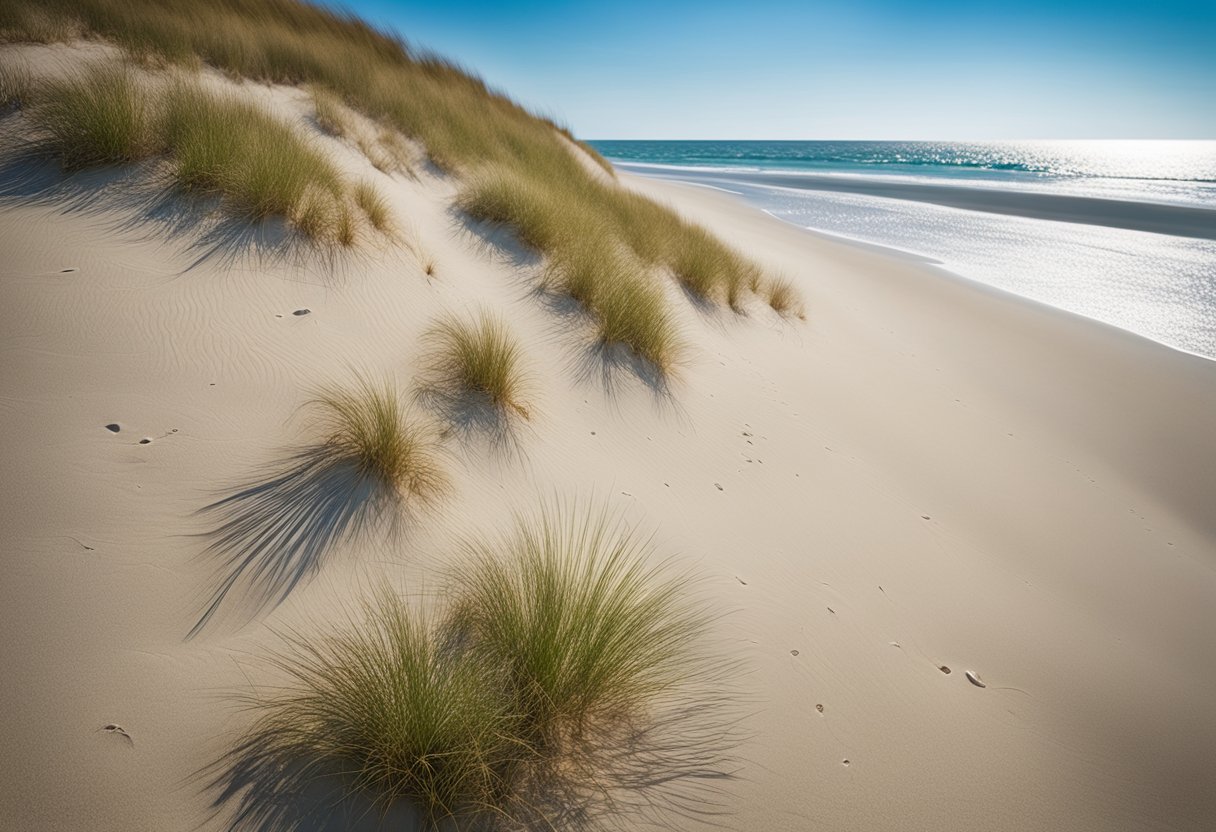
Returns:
<point x="1158" y="218"/>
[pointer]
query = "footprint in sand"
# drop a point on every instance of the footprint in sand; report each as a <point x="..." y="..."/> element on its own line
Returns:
<point x="819" y="707"/>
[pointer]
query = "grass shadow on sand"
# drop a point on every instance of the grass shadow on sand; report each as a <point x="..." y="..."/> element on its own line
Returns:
<point x="138" y="199"/>
<point x="471" y="417"/>
<point x="276" y="531"/>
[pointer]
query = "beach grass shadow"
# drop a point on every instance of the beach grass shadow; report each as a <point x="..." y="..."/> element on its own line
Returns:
<point x="140" y="199"/>
<point x="275" y="532"/>
<point x="263" y="791"/>
<point x="471" y="417"/>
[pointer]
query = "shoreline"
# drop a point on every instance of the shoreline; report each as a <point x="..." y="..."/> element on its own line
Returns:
<point x="1151" y="217"/>
<point x="945" y="271"/>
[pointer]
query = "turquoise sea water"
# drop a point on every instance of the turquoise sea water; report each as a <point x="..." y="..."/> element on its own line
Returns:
<point x="1120" y="231"/>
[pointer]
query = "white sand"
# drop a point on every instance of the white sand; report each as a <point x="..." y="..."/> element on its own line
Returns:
<point x="925" y="472"/>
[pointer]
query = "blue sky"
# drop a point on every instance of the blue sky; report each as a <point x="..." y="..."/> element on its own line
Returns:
<point x="845" y="70"/>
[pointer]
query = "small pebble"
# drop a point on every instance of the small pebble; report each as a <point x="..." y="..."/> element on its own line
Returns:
<point x="300" y="312"/>
<point x="793" y="652"/>
<point x="945" y="670"/>
<point x="113" y="427"/>
<point x="719" y="486"/>
<point x="146" y="440"/>
<point x="819" y="708"/>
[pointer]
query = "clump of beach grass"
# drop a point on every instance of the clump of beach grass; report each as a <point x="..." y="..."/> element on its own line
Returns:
<point x="479" y="357"/>
<point x="374" y="206"/>
<point x="585" y="630"/>
<point x="563" y="668"/>
<point x="332" y="115"/>
<point x="383" y="704"/>
<point x="260" y="166"/>
<point x="16" y="85"/>
<point x="783" y="297"/>
<point x="370" y="425"/>
<point x="100" y="116"/>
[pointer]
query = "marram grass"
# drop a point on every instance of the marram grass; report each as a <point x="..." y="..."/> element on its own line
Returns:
<point x="519" y="170"/>
<point x="479" y="356"/>
<point x="783" y="297"/>
<point x="586" y="629"/>
<point x="16" y="85"/>
<point x="101" y="116"/>
<point x="554" y="649"/>
<point x="258" y="164"/>
<point x="374" y="206"/>
<point x="369" y="425"/>
<point x="381" y="703"/>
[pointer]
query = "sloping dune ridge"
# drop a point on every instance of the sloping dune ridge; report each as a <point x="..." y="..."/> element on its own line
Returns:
<point x="961" y="548"/>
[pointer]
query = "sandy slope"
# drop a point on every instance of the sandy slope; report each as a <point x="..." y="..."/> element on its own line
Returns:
<point x="924" y="473"/>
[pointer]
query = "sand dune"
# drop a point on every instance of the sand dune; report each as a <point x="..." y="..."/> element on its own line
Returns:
<point x="925" y="474"/>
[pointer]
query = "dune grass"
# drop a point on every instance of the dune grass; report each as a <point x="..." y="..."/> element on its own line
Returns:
<point x="258" y="164"/>
<point x="519" y="168"/>
<point x="331" y="114"/>
<point x="369" y="425"/>
<point x="101" y="117"/>
<point x="382" y="703"/>
<point x="553" y="653"/>
<point x="587" y="632"/>
<point x="479" y="356"/>
<point x="16" y="84"/>
<point x="374" y="206"/>
<point x="783" y="297"/>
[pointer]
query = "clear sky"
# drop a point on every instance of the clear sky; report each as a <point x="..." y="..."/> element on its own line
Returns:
<point x="842" y="69"/>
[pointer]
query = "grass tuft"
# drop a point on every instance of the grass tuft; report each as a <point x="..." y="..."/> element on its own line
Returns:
<point x="480" y="357"/>
<point x="381" y="702"/>
<point x="564" y="669"/>
<point x="585" y="631"/>
<point x="783" y="297"/>
<point x="369" y="425"/>
<point x="332" y="115"/>
<point x="259" y="165"/>
<point x="16" y="85"/>
<point x="374" y="206"/>
<point x="98" y="117"/>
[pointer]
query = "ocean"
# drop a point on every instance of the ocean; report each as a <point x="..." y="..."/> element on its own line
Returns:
<point x="1120" y="231"/>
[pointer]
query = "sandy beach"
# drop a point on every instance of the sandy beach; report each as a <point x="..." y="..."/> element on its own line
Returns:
<point x="923" y="479"/>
